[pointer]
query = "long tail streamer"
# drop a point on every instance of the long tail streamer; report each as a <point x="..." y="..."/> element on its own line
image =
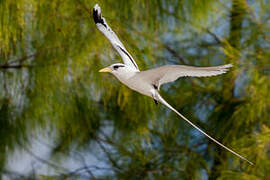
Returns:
<point x="160" y="99"/>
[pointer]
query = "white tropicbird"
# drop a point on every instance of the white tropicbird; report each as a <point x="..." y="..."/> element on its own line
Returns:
<point x="148" y="82"/>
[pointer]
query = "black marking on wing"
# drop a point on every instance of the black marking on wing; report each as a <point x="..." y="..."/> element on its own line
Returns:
<point x="155" y="86"/>
<point x="156" y="102"/>
<point x="97" y="17"/>
<point x="128" y="56"/>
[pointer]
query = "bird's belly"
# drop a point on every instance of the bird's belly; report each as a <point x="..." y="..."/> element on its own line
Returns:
<point x="139" y="85"/>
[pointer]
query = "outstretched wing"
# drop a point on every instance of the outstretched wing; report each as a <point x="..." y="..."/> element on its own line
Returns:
<point x="165" y="74"/>
<point x="160" y="99"/>
<point x="116" y="43"/>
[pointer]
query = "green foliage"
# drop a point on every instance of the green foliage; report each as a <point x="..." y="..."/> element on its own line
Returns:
<point x="50" y="54"/>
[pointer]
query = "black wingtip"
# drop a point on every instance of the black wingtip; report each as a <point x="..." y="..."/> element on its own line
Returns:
<point x="97" y="15"/>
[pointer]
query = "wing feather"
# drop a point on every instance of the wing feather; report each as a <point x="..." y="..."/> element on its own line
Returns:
<point x="112" y="37"/>
<point x="170" y="73"/>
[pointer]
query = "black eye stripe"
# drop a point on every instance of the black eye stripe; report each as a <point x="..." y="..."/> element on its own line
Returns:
<point x="117" y="66"/>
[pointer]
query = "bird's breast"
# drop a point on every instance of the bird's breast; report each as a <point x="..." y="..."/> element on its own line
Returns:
<point x="138" y="84"/>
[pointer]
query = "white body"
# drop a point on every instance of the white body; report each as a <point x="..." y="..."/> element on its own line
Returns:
<point x="134" y="81"/>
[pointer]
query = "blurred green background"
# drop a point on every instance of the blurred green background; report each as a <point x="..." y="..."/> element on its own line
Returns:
<point x="61" y="119"/>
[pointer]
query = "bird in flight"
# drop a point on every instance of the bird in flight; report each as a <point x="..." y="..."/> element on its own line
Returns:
<point x="148" y="82"/>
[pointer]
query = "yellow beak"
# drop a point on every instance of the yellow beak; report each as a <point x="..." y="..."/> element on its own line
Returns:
<point x="106" y="69"/>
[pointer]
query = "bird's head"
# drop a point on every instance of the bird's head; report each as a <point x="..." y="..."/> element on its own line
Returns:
<point x="119" y="70"/>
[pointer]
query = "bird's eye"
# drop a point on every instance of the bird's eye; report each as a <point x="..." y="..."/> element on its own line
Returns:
<point x="117" y="66"/>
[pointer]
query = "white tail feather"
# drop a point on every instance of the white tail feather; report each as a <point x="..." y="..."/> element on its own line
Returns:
<point x="160" y="99"/>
